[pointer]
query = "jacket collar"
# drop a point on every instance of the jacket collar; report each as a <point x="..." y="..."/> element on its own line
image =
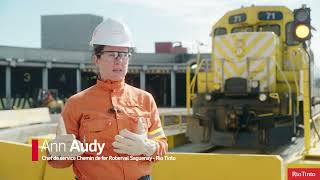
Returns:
<point x="114" y="86"/>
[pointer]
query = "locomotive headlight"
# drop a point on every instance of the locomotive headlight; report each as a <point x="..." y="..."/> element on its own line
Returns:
<point x="194" y="66"/>
<point x="262" y="97"/>
<point x="208" y="97"/>
<point x="254" y="84"/>
<point x="302" y="31"/>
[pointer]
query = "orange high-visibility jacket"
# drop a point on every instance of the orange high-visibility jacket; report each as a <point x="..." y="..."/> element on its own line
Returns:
<point x="100" y="112"/>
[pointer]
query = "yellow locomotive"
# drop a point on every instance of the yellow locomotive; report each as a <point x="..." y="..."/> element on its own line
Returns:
<point x="250" y="92"/>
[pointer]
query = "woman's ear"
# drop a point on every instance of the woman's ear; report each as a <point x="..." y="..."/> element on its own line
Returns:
<point x="95" y="59"/>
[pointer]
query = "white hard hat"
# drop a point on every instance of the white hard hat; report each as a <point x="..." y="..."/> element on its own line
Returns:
<point x="112" y="32"/>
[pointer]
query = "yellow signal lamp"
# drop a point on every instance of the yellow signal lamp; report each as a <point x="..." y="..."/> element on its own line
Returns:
<point x="302" y="31"/>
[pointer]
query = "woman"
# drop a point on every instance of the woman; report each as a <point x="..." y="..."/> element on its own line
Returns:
<point x="123" y="117"/>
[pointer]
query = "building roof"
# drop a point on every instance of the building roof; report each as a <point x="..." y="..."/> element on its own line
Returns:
<point x="39" y="57"/>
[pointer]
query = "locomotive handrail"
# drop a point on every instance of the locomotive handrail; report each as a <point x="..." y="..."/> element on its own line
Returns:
<point x="297" y="88"/>
<point x="190" y="85"/>
<point x="287" y="83"/>
<point x="193" y="81"/>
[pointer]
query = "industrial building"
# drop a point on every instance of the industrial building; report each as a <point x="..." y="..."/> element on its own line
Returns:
<point x="64" y="63"/>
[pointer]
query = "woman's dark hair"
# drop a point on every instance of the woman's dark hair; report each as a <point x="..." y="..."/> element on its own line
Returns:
<point x="97" y="49"/>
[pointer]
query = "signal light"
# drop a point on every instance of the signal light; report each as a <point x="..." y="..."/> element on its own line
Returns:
<point x="302" y="31"/>
<point x="301" y="24"/>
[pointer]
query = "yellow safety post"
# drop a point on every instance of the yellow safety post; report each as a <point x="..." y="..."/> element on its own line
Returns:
<point x="318" y="127"/>
<point x="180" y="122"/>
<point x="162" y="119"/>
<point x="306" y="104"/>
<point x="188" y="103"/>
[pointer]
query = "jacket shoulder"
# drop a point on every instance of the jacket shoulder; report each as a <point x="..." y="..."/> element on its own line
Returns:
<point x="80" y="95"/>
<point x="133" y="91"/>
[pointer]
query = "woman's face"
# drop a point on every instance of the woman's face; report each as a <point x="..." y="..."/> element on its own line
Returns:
<point x="113" y="63"/>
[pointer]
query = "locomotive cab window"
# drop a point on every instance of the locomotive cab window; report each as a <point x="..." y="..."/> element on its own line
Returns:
<point x="270" y="28"/>
<point x="220" y="31"/>
<point x="242" y="29"/>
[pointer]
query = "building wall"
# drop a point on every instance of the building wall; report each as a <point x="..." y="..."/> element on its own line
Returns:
<point x="63" y="67"/>
<point x="68" y="32"/>
<point x="2" y="82"/>
<point x="163" y="47"/>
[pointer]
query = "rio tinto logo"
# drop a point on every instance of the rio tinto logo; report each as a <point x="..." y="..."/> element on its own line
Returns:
<point x="303" y="173"/>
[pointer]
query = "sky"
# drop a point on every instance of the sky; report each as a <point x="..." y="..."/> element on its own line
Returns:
<point x="186" y="21"/>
